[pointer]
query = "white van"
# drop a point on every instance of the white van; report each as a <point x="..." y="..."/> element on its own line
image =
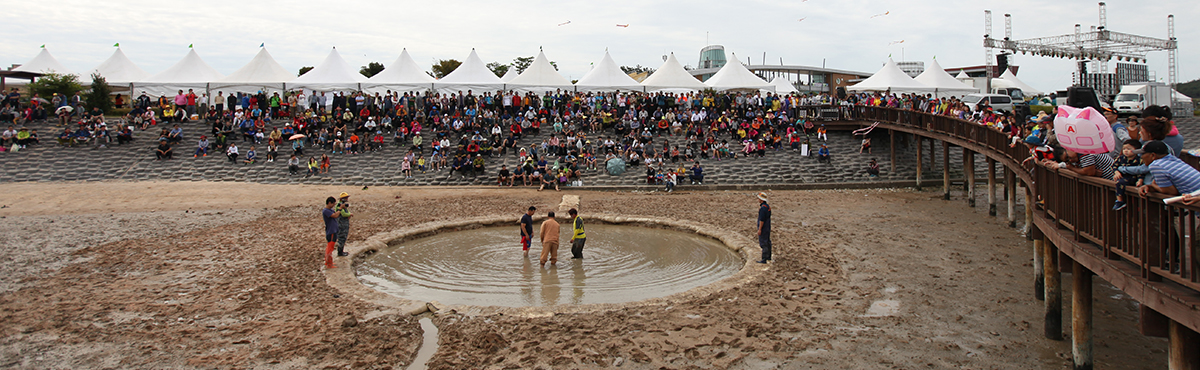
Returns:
<point x="998" y="102"/>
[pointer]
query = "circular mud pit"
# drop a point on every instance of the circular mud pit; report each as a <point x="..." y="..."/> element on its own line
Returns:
<point x="485" y="267"/>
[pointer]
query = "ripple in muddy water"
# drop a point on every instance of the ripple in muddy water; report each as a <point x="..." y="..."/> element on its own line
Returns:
<point x="484" y="267"/>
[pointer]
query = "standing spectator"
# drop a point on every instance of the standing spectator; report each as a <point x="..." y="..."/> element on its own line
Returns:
<point x="578" y="237"/>
<point x="549" y="233"/>
<point x="764" y="227"/>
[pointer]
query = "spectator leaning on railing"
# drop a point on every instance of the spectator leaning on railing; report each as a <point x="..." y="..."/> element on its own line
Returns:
<point x="1169" y="174"/>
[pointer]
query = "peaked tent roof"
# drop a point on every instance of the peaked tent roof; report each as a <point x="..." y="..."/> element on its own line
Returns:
<point x="734" y="75"/>
<point x="890" y="78"/>
<point x="472" y="74"/>
<point x="941" y="82"/>
<point x="510" y="75"/>
<point x="333" y="74"/>
<point x="403" y="75"/>
<point x="43" y="63"/>
<point x="261" y="73"/>
<point x="540" y="77"/>
<point x="1008" y="79"/>
<point x="962" y="75"/>
<point x="607" y="76"/>
<point x="191" y="72"/>
<point x="782" y="86"/>
<point x="672" y="76"/>
<point x="119" y="70"/>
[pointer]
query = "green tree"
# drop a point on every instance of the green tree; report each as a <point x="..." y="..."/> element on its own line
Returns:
<point x="304" y="70"/>
<point x="1190" y="88"/>
<point x="523" y="63"/>
<point x="49" y="84"/>
<point x="100" y="95"/>
<point x="444" y="67"/>
<point x="371" y="69"/>
<point x="498" y="69"/>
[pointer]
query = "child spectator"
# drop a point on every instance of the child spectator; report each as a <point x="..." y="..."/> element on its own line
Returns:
<point x="251" y="156"/>
<point x="1128" y="169"/>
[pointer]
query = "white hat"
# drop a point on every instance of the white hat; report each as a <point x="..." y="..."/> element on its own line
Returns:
<point x="762" y="196"/>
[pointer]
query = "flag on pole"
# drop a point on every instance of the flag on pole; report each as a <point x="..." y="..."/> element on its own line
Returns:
<point x="190" y="46"/>
<point x="43" y="46"/>
<point x="117" y="45"/>
<point x="262" y="45"/>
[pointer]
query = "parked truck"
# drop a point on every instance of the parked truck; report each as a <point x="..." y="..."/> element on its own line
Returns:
<point x="1134" y="98"/>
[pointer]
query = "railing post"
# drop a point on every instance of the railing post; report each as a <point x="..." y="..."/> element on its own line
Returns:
<point x="969" y="174"/>
<point x="1081" y="317"/>
<point x="1182" y="353"/>
<point x="920" y="146"/>
<point x="991" y="163"/>
<point x="1053" y="318"/>
<point x="945" y="170"/>
<point x="1030" y="203"/>
<point x="1039" y="272"/>
<point x="1010" y="188"/>
<point x="892" y="149"/>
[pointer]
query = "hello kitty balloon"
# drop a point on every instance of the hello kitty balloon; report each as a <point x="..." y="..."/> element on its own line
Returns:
<point x="1084" y="131"/>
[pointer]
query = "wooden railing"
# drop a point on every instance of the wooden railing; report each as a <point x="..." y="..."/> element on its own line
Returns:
<point x="1150" y="237"/>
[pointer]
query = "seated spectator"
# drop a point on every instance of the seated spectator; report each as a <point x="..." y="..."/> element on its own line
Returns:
<point x="518" y="174"/>
<point x="125" y="135"/>
<point x="669" y="178"/>
<point x="163" y="151"/>
<point x="1169" y="175"/>
<point x="873" y="168"/>
<point x="823" y="154"/>
<point x="477" y="165"/>
<point x="202" y="147"/>
<point x="504" y="177"/>
<point x="66" y="138"/>
<point x="548" y="178"/>
<point x="232" y="152"/>
<point x="293" y="164"/>
<point x="23" y="138"/>
<point x="175" y="135"/>
<point x="697" y="175"/>
<point x="251" y="156"/>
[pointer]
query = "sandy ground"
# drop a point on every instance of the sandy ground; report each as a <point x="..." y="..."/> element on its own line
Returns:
<point x="225" y="275"/>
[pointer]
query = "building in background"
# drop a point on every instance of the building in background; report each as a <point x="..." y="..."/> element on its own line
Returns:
<point x="912" y="69"/>
<point x="711" y="57"/>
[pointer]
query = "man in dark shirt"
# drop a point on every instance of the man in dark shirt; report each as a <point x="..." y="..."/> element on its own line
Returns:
<point x="163" y="151"/>
<point x="331" y="230"/>
<point x="505" y="176"/>
<point x="764" y="227"/>
<point x="527" y="229"/>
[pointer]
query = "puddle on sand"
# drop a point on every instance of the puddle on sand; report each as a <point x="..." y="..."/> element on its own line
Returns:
<point x="428" y="345"/>
<point x="484" y="267"/>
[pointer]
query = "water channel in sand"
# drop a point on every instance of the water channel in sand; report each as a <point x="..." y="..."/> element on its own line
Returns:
<point x="484" y="267"/>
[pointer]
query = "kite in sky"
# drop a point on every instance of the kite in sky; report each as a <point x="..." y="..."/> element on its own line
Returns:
<point x="564" y="23"/>
<point x="623" y="25"/>
<point x="896" y="42"/>
<point x="880" y="15"/>
<point x="802" y="19"/>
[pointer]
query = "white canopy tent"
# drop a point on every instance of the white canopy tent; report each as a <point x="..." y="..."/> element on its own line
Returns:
<point x="191" y="72"/>
<point x="782" y="86"/>
<point x="942" y="83"/>
<point x="472" y="74"/>
<point x="43" y="63"/>
<point x="735" y="76"/>
<point x="540" y="77"/>
<point x="890" y="78"/>
<point x="1008" y="79"/>
<point x="673" y="78"/>
<point x="118" y="70"/>
<point x="607" y="76"/>
<point x="509" y="75"/>
<point x="262" y="73"/>
<point x="333" y="74"/>
<point x="403" y="75"/>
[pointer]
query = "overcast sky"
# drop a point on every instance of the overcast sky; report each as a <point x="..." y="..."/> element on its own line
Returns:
<point x="845" y="34"/>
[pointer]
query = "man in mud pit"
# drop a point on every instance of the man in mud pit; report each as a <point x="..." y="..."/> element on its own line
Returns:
<point x="331" y="230"/>
<point x="578" y="238"/>
<point x="343" y="219"/>
<point x="549" y="234"/>
<point x="527" y="229"/>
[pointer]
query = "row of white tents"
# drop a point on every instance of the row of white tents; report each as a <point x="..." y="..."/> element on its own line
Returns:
<point x="933" y="80"/>
<point x="263" y="73"/>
